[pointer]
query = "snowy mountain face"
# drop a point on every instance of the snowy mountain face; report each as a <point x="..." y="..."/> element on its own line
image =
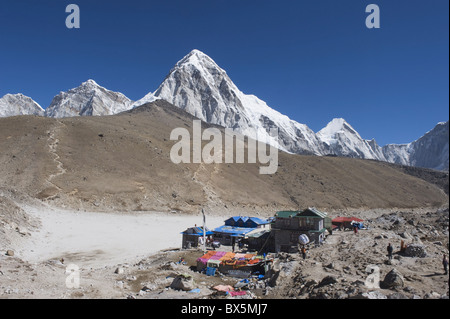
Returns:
<point x="199" y="86"/>
<point x="19" y="104"/>
<point x="89" y="99"/>
<point x="342" y="140"/>
<point x="430" y="151"/>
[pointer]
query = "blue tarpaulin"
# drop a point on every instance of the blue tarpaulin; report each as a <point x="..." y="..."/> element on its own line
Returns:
<point x="233" y="231"/>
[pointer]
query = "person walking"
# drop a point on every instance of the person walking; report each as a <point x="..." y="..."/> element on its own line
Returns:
<point x="445" y="264"/>
<point x="303" y="252"/>
<point x="390" y="250"/>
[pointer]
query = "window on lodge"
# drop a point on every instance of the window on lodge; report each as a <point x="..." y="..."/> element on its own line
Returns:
<point x="306" y="222"/>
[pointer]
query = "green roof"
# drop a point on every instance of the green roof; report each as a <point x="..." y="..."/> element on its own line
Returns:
<point x="289" y="213"/>
<point x="286" y="214"/>
<point x="317" y="212"/>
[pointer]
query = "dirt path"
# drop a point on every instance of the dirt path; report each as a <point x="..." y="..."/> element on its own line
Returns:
<point x="53" y="142"/>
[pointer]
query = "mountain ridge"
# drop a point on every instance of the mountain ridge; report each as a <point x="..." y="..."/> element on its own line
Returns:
<point x="122" y="163"/>
<point x="199" y="86"/>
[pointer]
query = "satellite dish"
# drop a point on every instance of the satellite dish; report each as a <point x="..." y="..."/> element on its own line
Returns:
<point x="303" y="239"/>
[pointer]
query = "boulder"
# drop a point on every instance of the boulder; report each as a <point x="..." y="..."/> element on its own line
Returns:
<point x="328" y="280"/>
<point x="406" y="235"/>
<point x="119" y="271"/>
<point x="372" y="295"/>
<point x="183" y="282"/>
<point x="9" y="252"/>
<point x="397" y="295"/>
<point x="393" y="279"/>
<point x="415" y="250"/>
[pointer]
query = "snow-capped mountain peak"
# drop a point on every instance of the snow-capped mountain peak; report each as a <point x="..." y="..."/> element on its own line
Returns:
<point x="336" y="127"/>
<point x="19" y="104"/>
<point x="343" y="140"/>
<point x="199" y="86"/>
<point x="88" y="99"/>
<point x="196" y="58"/>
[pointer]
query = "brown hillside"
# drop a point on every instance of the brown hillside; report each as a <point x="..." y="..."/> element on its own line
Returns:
<point x="122" y="162"/>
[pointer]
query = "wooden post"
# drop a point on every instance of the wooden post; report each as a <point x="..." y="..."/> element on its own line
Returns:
<point x="204" y="231"/>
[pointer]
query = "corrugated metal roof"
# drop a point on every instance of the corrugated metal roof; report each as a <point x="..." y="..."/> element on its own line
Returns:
<point x="286" y="214"/>
<point x="317" y="212"/>
<point x="257" y="233"/>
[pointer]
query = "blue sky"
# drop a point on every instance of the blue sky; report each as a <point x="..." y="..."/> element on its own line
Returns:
<point x="311" y="60"/>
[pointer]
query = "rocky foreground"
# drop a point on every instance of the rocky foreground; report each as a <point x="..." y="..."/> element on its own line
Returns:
<point x="342" y="268"/>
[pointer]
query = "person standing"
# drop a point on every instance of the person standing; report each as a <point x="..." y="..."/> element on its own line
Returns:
<point x="390" y="250"/>
<point x="303" y="252"/>
<point x="445" y="264"/>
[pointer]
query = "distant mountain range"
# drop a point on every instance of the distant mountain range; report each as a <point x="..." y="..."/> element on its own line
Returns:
<point x="199" y="86"/>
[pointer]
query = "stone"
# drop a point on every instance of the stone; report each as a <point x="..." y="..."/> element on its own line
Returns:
<point x="406" y="235"/>
<point x="373" y="295"/>
<point x="328" y="280"/>
<point x="119" y="271"/>
<point x="415" y="250"/>
<point x="9" y="252"/>
<point x="183" y="282"/>
<point x="397" y="295"/>
<point x="393" y="279"/>
<point x="119" y="284"/>
<point x="432" y="295"/>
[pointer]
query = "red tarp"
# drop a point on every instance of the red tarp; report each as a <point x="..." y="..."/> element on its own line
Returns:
<point x="346" y="219"/>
